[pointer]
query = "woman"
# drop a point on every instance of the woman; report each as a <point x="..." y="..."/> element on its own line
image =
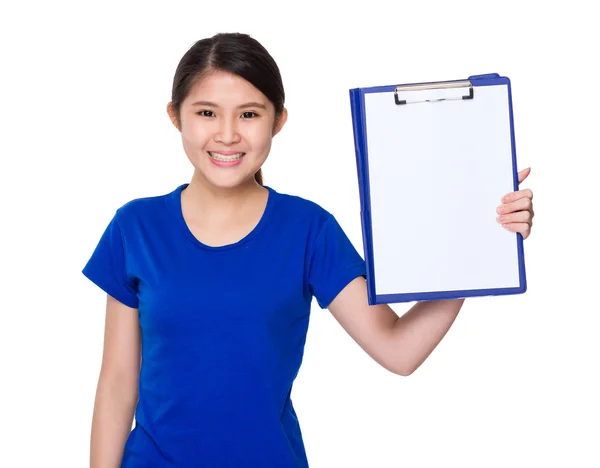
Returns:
<point x="210" y="286"/>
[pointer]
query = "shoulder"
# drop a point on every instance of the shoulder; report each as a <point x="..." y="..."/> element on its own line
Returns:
<point x="301" y="206"/>
<point x="145" y="208"/>
<point x="298" y="209"/>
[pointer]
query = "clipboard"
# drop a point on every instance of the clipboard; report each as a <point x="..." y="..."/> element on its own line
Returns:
<point x="433" y="161"/>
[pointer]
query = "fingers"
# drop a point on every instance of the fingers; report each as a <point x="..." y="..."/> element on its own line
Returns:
<point x="524" y="203"/>
<point x="510" y="197"/>
<point x="518" y="217"/>
<point x="523" y="228"/>
<point x="516" y="211"/>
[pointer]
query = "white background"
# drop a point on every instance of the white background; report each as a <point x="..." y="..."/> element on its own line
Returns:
<point x="84" y="129"/>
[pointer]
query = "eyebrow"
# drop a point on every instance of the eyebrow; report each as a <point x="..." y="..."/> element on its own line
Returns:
<point x="243" y="106"/>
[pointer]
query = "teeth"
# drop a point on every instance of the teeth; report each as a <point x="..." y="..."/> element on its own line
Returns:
<point x="222" y="157"/>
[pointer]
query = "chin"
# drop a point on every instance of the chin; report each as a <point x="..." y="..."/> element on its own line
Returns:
<point x="228" y="181"/>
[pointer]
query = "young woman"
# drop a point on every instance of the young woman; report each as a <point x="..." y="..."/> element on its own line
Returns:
<point x="209" y="287"/>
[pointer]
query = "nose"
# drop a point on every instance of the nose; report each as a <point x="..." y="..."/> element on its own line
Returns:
<point x="227" y="132"/>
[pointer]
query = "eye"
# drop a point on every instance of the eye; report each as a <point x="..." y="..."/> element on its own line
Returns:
<point x="248" y="115"/>
<point x="205" y="113"/>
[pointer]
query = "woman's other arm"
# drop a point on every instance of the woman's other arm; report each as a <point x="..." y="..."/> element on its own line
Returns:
<point x="116" y="393"/>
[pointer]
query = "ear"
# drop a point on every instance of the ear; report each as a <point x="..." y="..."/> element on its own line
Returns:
<point x="280" y="122"/>
<point x="173" y="116"/>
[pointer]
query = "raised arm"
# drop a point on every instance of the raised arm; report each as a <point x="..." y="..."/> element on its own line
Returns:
<point x="400" y="344"/>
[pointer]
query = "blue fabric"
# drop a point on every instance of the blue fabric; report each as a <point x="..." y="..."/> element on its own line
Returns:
<point x="223" y="328"/>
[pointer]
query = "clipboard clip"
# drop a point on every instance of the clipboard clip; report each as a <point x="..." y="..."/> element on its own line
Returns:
<point x="433" y="92"/>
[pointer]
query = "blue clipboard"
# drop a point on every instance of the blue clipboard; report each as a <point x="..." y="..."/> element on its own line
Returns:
<point x="433" y="161"/>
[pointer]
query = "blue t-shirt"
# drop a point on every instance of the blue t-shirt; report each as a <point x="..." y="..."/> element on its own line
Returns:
<point x="223" y="328"/>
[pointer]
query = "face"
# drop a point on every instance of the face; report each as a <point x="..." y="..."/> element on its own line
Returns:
<point x="226" y="127"/>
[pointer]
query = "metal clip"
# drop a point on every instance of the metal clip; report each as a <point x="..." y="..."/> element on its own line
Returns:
<point x="412" y="90"/>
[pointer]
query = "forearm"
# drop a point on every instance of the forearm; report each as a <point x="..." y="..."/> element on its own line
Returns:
<point x="416" y="334"/>
<point x="111" y="424"/>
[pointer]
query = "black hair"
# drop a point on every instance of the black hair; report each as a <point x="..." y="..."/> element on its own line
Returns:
<point x="236" y="53"/>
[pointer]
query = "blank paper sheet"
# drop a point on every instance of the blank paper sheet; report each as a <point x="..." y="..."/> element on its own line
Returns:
<point x="437" y="172"/>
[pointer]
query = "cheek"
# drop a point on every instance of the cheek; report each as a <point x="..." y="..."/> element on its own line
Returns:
<point x="194" y="136"/>
<point x="260" y="138"/>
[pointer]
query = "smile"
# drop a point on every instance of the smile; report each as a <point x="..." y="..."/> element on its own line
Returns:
<point x="226" y="158"/>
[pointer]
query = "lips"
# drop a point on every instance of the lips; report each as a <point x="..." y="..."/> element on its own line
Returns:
<point x="228" y="156"/>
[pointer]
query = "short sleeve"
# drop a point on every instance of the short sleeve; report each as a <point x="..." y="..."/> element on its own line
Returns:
<point x="335" y="263"/>
<point x="107" y="267"/>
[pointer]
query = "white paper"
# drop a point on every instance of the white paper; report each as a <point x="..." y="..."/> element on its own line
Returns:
<point x="437" y="172"/>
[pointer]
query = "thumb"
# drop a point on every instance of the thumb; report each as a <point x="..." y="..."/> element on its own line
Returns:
<point x="523" y="174"/>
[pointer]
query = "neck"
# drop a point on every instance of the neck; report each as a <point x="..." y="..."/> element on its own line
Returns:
<point x="216" y="203"/>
